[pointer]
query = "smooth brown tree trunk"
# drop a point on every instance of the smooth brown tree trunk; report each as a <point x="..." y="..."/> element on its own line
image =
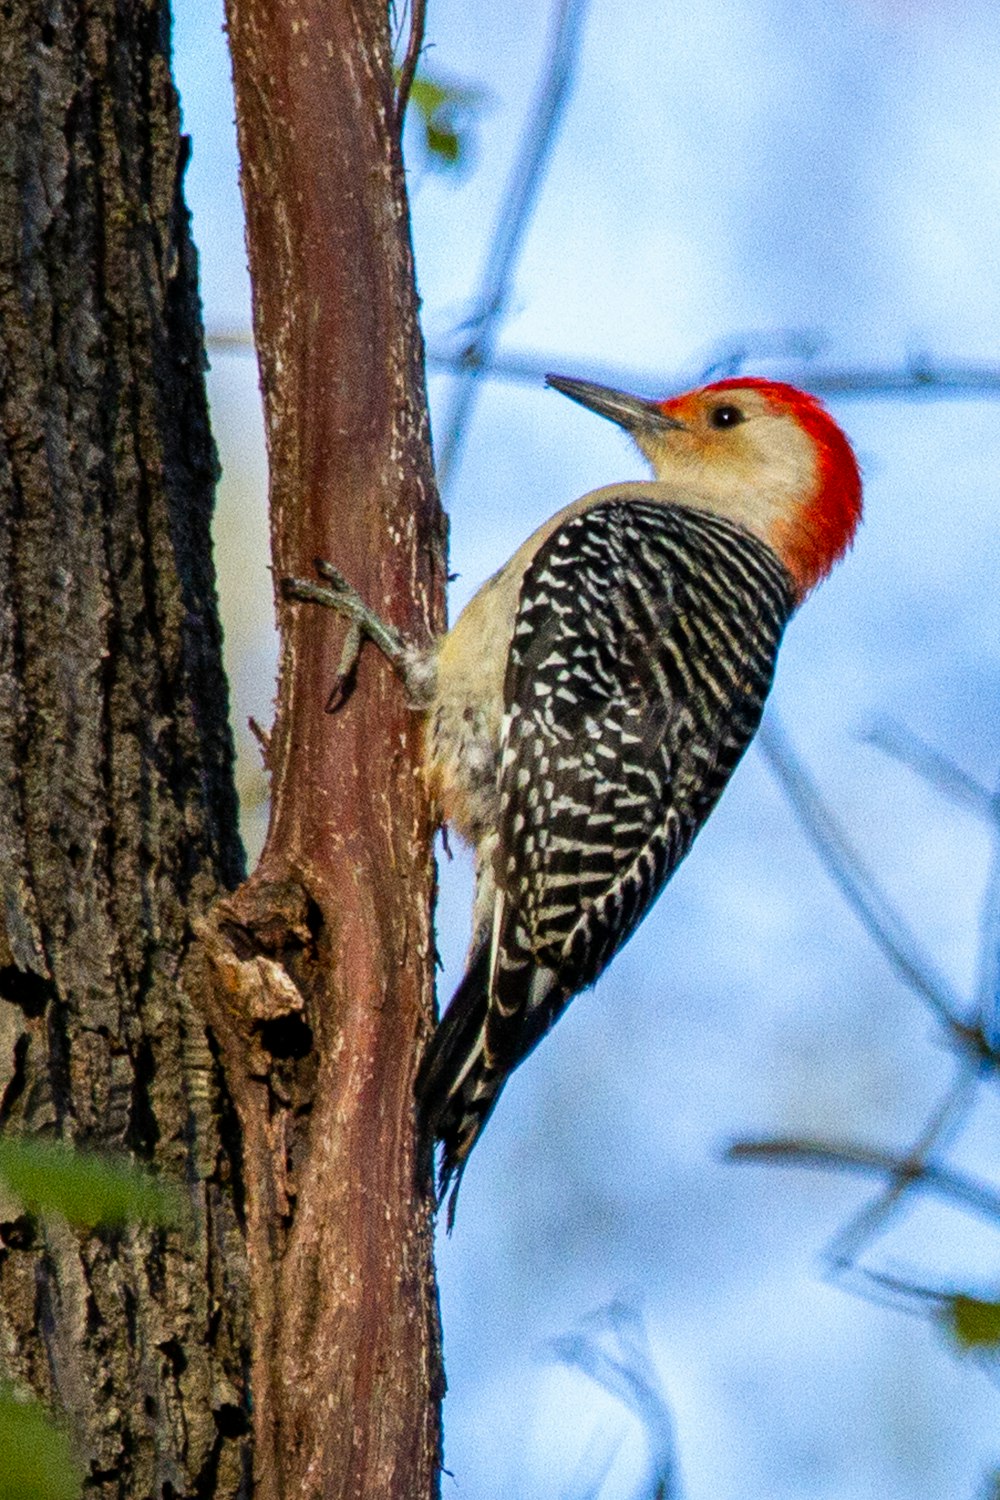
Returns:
<point x="257" y="1046"/>
<point x="117" y="809"/>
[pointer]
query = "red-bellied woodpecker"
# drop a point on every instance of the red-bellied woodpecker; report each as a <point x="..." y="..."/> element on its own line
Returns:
<point x="590" y="703"/>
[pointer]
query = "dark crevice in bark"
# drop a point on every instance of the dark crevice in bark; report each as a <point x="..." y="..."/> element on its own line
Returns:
<point x="287" y="1038"/>
<point x="30" y="993"/>
<point x="229" y="1167"/>
<point x="18" y="1078"/>
<point x="144" y="1129"/>
<point x="19" y="1233"/>
<point x="56" y="1080"/>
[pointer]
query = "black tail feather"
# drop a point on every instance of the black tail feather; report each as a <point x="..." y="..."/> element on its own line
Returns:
<point x="448" y="1049"/>
<point x="446" y="1111"/>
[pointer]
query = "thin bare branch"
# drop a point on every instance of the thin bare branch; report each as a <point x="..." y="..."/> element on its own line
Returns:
<point x="516" y="207"/>
<point x="899" y="945"/>
<point x="900" y="744"/>
<point x="884" y="1290"/>
<point x="960" y="379"/>
<point x="731" y="354"/>
<point x="933" y="1304"/>
<point x="979" y="1197"/>
<point x="944" y="1123"/>
<point x="988" y="963"/>
<point x="856" y="883"/>
<point x="911" y="1291"/>
<point x="408" y="67"/>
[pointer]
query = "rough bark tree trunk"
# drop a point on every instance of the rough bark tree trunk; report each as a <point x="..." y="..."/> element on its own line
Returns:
<point x="117" y="808"/>
<point x="305" y="1272"/>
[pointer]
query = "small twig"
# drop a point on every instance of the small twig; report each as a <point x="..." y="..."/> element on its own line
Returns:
<point x="847" y="1244"/>
<point x="884" y="1290"/>
<point x="899" y="743"/>
<point x="263" y="738"/>
<point x="979" y="1197"/>
<point x="988" y="963"/>
<point x="856" y="883"/>
<point x="909" y="1290"/>
<point x="408" y="67"/>
<point x="516" y="207"/>
<point x="930" y="1303"/>
<point x="730" y="355"/>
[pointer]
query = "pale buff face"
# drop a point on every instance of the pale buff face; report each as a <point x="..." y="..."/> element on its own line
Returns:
<point x="760" y="471"/>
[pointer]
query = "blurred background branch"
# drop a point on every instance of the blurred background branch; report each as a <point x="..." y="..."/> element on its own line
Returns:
<point x="611" y="1348"/>
<point x="904" y="1170"/>
<point x="917" y="1169"/>
<point x="854" y="880"/>
<point x="477" y="362"/>
<point x="517" y="204"/>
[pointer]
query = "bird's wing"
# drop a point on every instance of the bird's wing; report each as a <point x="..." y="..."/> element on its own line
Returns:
<point x="643" y="650"/>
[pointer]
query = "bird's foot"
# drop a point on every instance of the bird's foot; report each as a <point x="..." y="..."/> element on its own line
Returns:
<point x="362" y="624"/>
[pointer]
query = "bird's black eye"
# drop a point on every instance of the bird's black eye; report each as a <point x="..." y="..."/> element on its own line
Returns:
<point x="726" y="416"/>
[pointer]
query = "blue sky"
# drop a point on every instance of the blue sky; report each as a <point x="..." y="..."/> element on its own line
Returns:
<point x="722" y="170"/>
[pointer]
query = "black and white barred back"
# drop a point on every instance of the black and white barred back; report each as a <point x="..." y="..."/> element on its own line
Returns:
<point x="643" y="650"/>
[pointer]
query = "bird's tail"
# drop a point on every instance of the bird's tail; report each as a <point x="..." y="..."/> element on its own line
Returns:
<point x="456" y="1088"/>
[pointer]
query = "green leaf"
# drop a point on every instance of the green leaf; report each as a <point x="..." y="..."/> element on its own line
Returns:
<point x="88" y="1189"/>
<point x="974" y="1324"/>
<point x="444" y="144"/>
<point x="37" y="1462"/>
<point x="445" y="111"/>
<point x="428" y="96"/>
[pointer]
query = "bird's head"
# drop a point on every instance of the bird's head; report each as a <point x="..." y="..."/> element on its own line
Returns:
<point x="760" y="452"/>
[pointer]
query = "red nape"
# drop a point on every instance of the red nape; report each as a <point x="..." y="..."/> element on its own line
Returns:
<point x="829" y="519"/>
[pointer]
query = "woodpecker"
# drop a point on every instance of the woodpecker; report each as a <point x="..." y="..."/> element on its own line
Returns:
<point x="592" y="700"/>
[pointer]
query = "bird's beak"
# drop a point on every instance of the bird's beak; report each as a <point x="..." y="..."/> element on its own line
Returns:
<point x="631" y="412"/>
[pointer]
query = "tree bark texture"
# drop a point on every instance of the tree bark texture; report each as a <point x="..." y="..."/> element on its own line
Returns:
<point x="324" y="959"/>
<point x="117" y="807"/>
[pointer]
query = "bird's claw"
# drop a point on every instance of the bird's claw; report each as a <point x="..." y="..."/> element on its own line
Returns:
<point x="333" y="576"/>
<point x="336" y="593"/>
<point x="363" y="623"/>
<point x="343" y="683"/>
